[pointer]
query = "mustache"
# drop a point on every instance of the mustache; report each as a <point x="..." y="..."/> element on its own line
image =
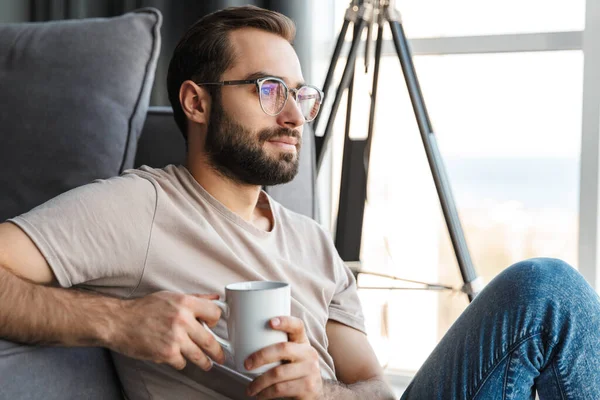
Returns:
<point x="269" y="134"/>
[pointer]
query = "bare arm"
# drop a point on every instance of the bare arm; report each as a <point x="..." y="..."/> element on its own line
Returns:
<point x="45" y="315"/>
<point x="358" y="372"/>
<point x="36" y="314"/>
<point x="162" y="327"/>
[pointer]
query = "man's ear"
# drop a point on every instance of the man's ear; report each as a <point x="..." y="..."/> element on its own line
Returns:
<point x="195" y="102"/>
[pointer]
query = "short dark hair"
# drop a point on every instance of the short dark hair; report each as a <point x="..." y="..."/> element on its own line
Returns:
<point x="204" y="52"/>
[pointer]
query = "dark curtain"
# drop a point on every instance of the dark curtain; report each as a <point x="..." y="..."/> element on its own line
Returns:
<point x="177" y="16"/>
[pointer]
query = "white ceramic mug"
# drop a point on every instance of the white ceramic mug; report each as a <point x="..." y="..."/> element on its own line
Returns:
<point x="248" y="309"/>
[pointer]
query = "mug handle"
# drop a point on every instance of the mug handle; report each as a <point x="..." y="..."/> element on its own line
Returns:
<point x="226" y="344"/>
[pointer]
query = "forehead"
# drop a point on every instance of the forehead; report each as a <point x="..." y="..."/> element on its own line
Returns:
<point x="257" y="50"/>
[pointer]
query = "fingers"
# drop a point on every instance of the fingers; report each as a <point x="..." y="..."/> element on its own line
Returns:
<point x="207" y="343"/>
<point x="174" y="358"/>
<point x="198" y="345"/>
<point x="202" y="344"/>
<point x="281" y="373"/>
<point x="288" y="351"/>
<point x="193" y="353"/>
<point x="172" y="333"/>
<point x="203" y="308"/>
<point x="293" y="326"/>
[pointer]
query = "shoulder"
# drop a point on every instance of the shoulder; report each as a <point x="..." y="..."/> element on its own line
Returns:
<point x="124" y="189"/>
<point x="150" y="174"/>
<point x="170" y="178"/>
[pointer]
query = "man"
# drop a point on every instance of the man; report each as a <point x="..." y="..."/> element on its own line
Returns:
<point x="159" y="242"/>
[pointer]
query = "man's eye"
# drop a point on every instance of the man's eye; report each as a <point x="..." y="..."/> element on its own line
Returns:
<point x="268" y="90"/>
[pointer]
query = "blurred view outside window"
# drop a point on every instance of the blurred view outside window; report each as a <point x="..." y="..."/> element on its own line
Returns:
<point x="509" y="130"/>
<point x="439" y="18"/>
<point x="442" y="18"/>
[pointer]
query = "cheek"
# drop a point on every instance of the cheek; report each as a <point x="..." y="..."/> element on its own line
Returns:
<point x="244" y="110"/>
<point x="242" y="105"/>
<point x="253" y="121"/>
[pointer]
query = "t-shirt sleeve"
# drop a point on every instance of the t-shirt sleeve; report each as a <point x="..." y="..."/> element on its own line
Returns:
<point x="345" y="305"/>
<point x="97" y="234"/>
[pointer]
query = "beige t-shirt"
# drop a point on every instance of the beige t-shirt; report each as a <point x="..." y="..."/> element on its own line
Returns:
<point x="158" y="229"/>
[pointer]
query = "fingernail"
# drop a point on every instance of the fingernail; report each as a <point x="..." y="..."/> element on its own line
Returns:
<point x="275" y="321"/>
<point x="248" y="364"/>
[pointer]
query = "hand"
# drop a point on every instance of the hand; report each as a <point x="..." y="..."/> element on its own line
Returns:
<point x="163" y="327"/>
<point x="299" y="378"/>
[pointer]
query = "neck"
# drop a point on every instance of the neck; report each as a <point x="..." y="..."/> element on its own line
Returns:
<point x="237" y="197"/>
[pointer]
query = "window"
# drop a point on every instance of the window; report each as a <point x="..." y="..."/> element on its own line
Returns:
<point x="509" y="130"/>
<point x="508" y="126"/>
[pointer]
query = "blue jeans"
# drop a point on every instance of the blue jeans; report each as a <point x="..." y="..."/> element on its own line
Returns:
<point x="534" y="327"/>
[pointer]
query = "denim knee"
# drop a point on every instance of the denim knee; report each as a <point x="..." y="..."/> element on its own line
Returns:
<point x="539" y="278"/>
<point x="544" y="269"/>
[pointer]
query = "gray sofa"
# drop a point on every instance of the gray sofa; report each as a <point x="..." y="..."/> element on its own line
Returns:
<point x="74" y="98"/>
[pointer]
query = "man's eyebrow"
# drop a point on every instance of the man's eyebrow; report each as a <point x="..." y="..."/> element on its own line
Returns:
<point x="261" y="74"/>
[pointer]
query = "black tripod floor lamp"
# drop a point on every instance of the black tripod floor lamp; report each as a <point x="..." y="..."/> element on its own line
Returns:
<point x="365" y="14"/>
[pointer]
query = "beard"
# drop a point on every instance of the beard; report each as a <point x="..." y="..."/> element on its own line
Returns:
<point x="238" y="153"/>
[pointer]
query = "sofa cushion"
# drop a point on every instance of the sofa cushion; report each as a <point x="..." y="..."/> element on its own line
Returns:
<point x="54" y="373"/>
<point x="73" y="99"/>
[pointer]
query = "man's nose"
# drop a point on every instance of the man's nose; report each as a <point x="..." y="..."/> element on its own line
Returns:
<point x="291" y="116"/>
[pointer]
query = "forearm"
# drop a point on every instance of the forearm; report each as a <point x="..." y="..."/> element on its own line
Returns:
<point x="35" y="314"/>
<point x="376" y="389"/>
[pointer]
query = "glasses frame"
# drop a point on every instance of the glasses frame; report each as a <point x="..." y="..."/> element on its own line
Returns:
<point x="259" y="82"/>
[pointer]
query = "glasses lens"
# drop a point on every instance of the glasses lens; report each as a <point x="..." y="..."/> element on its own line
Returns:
<point x="309" y="101"/>
<point x="272" y="96"/>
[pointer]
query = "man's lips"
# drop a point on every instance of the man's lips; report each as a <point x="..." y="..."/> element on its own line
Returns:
<point x="287" y="140"/>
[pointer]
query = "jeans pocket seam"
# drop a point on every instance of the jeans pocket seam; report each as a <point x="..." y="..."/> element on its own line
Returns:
<point x="558" y="383"/>
<point x="506" y="374"/>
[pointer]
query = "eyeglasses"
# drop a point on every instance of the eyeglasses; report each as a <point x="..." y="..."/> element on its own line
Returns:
<point x="273" y="95"/>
